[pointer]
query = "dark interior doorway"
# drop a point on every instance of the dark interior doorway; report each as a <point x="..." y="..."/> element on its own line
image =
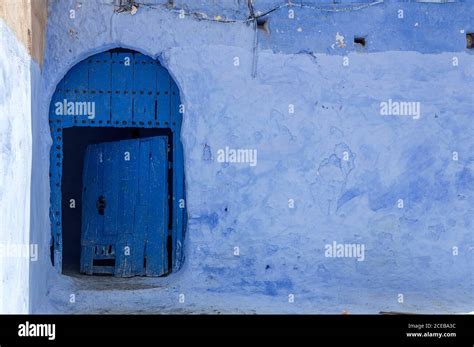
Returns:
<point x="75" y="142"/>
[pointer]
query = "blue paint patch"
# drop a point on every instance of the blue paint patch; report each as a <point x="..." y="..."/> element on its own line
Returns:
<point x="348" y="196"/>
<point x="436" y="231"/>
<point x="465" y="180"/>
<point x="323" y="272"/>
<point x="212" y="220"/>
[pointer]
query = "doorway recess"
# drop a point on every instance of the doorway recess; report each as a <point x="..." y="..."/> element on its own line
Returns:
<point x="125" y="96"/>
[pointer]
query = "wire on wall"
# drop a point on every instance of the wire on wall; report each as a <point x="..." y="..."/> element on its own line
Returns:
<point x="132" y="6"/>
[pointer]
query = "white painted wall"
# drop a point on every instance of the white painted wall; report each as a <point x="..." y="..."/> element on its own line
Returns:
<point x="15" y="171"/>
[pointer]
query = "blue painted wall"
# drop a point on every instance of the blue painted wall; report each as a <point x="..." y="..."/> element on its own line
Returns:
<point x="344" y="165"/>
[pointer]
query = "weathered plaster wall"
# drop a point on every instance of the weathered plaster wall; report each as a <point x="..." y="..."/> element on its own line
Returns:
<point x="15" y="171"/>
<point x="27" y="19"/>
<point x="408" y="251"/>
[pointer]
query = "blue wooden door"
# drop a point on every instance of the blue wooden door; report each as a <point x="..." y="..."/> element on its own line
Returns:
<point x="125" y="208"/>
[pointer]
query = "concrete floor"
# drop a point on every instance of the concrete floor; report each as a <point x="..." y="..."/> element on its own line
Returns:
<point x="145" y="295"/>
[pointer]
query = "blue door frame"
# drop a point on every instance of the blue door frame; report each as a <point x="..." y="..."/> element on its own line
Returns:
<point x="124" y="89"/>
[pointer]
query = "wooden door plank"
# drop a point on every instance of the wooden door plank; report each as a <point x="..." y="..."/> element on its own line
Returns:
<point x="122" y="87"/>
<point x="128" y="158"/>
<point x="156" y="252"/>
<point x="144" y="85"/>
<point x="141" y="213"/>
<point x="90" y="224"/>
<point x="100" y="85"/>
<point x="163" y="97"/>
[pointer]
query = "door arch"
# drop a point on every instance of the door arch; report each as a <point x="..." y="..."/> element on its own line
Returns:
<point x="115" y="95"/>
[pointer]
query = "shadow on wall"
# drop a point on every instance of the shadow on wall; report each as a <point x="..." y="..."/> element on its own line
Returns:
<point x="27" y="20"/>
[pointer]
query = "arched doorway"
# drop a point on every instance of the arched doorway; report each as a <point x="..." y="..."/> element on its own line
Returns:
<point x="116" y="168"/>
